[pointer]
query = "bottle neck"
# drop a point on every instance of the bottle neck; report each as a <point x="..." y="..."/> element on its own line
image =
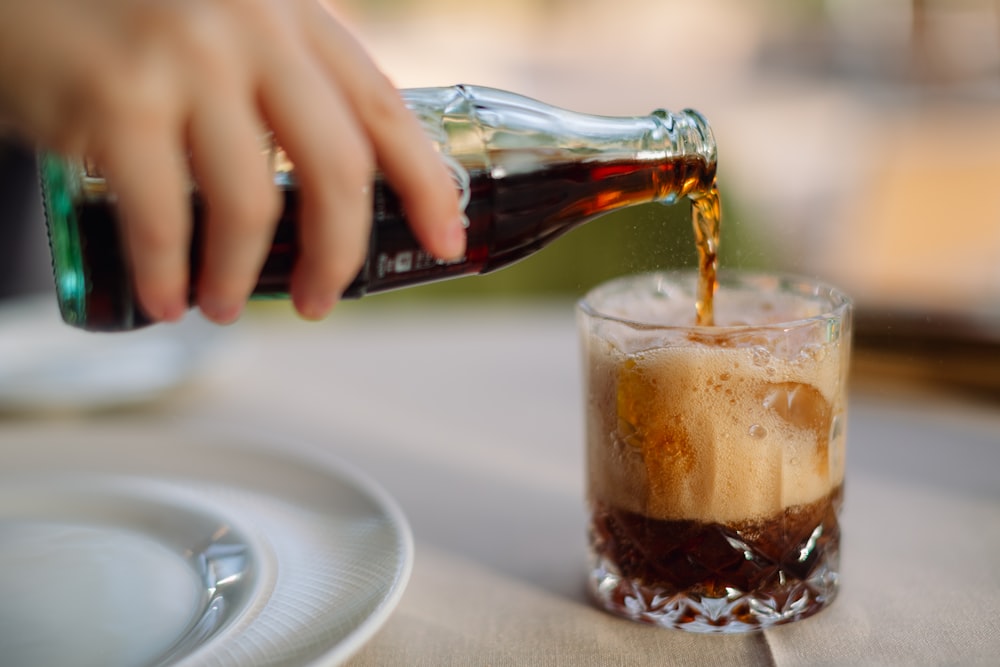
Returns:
<point x="509" y="135"/>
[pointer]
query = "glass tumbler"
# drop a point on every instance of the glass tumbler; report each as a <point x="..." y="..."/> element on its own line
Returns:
<point x="715" y="455"/>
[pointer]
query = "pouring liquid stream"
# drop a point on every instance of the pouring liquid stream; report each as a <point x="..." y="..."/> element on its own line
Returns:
<point x="706" y="217"/>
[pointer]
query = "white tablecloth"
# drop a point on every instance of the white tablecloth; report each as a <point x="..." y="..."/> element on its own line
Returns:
<point x="471" y="418"/>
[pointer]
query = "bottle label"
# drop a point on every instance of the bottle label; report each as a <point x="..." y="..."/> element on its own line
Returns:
<point x="406" y="260"/>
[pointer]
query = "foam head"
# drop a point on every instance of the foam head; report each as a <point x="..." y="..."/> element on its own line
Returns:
<point x="724" y="423"/>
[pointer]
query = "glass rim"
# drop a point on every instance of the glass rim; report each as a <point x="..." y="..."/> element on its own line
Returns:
<point x="805" y="286"/>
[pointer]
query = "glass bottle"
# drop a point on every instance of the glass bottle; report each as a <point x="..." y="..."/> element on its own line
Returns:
<point x="527" y="172"/>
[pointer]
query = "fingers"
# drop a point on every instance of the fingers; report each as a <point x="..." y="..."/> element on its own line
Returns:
<point x="404" y="154"/>
<point x="242" y="207"/>
<point x="141" y="149"/>
<point x="334" y="167"/>
<point x="149" y="175"/>
<point x="417" y="174"/>
<point x="242" y="203"/>
<point x="223" y="76"/>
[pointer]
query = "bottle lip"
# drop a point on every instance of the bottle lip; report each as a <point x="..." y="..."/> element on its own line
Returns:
<point x="700" y="122"/>
<point x="690" y="133"/>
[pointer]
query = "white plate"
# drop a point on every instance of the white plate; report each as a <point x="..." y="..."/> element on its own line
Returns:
<point x="46" y="364"/>
<point x="127" y="549"/>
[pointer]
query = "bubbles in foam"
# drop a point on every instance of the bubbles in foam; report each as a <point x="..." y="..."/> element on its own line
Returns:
<point x="760" y="356"/>
<point x="812" y="352"/>
<point x="758" y="432"/>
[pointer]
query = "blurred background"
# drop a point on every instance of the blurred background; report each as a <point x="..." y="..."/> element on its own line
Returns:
<point x="858" y="141"/>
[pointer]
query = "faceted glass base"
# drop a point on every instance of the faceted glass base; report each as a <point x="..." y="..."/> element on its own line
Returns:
<point x="783" y="601"/>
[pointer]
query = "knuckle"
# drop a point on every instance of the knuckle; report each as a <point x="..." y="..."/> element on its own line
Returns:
<point x="136" y="98"/>
<point x="208" y="43"/>
<point x="99" y="84"/>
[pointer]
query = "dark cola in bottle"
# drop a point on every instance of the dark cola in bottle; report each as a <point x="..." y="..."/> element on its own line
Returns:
<point x="527" y="172"/>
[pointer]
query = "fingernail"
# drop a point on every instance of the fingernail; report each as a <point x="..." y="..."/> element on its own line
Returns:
<point x="453" y="241"/>
<point x="173" y="312"/>
<point x="220" y="312"/>
<point x="315" y="308"/>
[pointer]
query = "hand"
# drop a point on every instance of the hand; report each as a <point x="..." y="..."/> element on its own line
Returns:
<point x="157" y="92"/>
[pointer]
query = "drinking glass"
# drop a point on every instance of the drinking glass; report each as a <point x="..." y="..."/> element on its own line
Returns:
<point x="715" y="455"/>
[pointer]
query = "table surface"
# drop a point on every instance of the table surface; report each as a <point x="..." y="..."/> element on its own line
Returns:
<point x="470" y="416"/>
